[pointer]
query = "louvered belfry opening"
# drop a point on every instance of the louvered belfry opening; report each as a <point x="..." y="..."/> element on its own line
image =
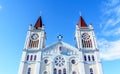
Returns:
<point x="87" y="43"/>
<point x="33" y="44"/>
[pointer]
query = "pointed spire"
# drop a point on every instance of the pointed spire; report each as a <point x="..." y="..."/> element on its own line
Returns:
<point x="81" y="23"/>
<point x="39" y="24"/>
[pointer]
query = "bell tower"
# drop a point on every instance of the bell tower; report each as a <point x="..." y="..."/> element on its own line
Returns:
<point x="35" y="41"/>
<point x="85" y="37"/>
<point x="86" y="43"/>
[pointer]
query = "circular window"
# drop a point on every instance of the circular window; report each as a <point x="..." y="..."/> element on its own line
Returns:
<point x="59" y="61"/>
<point x="73" y="61"/>
<point x="46" y="61"/>
<point x="74" y="72"/>
<point x="45" y="72"/>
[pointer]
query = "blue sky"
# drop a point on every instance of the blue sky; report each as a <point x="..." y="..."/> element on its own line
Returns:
<point x="59" y="17"/>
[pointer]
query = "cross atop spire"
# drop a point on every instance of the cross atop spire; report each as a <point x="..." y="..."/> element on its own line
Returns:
<point x="81" y="23"/>
<point x="38" y="24"/>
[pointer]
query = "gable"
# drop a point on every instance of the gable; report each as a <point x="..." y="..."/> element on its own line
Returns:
<point x="60" y="48"/>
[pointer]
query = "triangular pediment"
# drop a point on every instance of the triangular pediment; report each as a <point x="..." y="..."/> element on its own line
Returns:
<point x="60" y="48"/>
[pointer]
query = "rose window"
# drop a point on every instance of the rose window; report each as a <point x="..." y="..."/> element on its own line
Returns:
<point x="59" y="61"/>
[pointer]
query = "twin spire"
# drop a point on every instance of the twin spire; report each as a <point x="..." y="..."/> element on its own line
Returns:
<point x="39" y="25"/>
<point x="80" y="24"/>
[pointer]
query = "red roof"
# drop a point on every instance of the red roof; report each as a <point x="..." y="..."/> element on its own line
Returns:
<point x="81" y="23"/>
<point x="38" y="23"/>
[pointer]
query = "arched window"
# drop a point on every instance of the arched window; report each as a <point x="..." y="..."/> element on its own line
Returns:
<point x="31" y="57"/>
<point x="86" y="41"/>
<point x="89" y="58"/>
<point x="29" y="71"/>
<point x="55" y="71"/>
<point x="83" y="43"/>
<point x="30" y="43"/>
<point x="59" y="72"/>
<point x="93" y="58"/>
<point x="27" y="57"/>
<point x="74" y="72"/>
<point x="35" y="58"/>
<point x="37" y="43"/>
<point x="60" y="48"/>
<point x="91" y="71"/>
<point x="91" y="43"/>
<point x="64" y="71"/>
<point x="85" y="58"/>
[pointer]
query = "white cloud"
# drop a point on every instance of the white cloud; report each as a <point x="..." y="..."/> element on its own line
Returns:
<point x="113" y="32"/>
<point x="112" y="2"/>
<point x="111" y="14"/>
<point x="109" y="50"/>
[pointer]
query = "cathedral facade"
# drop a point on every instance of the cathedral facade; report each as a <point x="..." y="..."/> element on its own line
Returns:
<point x="60" y="57"/>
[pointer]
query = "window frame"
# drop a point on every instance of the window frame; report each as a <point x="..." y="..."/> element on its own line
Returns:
<point x="29" y="71"/>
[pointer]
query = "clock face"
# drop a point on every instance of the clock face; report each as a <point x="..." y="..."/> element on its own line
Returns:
<point x="85" y="36"/>
<point x="34" y="36"/>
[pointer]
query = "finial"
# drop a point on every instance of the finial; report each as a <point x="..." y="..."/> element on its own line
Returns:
<point x="80" y="13"/>
<point x="59" y="37"/>
<point x="40" y="13"/>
